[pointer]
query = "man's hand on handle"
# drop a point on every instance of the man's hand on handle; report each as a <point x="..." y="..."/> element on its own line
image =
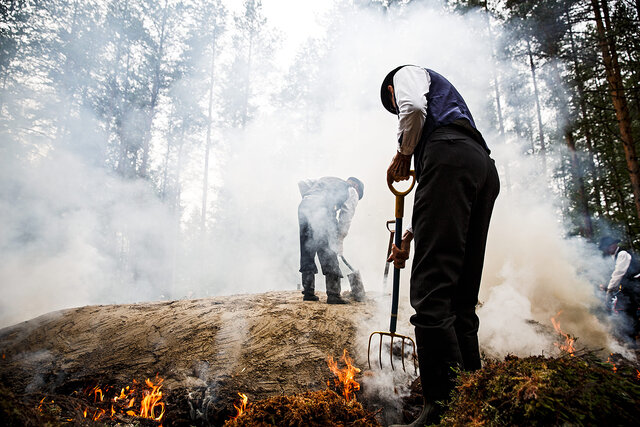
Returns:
<point x="399" y="256"/>
<point x="399" y="168"/>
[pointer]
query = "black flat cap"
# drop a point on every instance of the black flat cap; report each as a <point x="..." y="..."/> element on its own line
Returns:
<point x="607" y="241"/>
<point x="385" y="96"/>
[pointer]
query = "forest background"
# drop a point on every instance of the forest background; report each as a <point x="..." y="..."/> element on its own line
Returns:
<point x="150" y="149"/>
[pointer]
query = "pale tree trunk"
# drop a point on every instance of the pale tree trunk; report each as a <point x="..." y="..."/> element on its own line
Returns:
<point x="165" y="168"/>
<point x="583" y="113"/>
<point x="614" y="78"/>
<point x="247" y="86"/>
<point x="155" y="91"/>
<point x="207" y="145"/>
<point x="497" y="97"/>
<point x="609" y="162"/>
<point x="5" y="75"/>
<point x="66" y="101"/>
<point x="586" y="227"/>
<point x="176" y="211"/>
<point x="538" y="109"/>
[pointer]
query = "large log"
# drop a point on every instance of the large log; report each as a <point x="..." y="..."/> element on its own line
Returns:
<point x="206" y="350"/>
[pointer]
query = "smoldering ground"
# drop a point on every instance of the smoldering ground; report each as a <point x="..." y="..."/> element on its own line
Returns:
<point x="67" y="222"/>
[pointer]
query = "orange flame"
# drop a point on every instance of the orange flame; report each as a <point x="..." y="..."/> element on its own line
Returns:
<point x="609" y="361"/>
<point x="97" y="391"/>
<point x="568" y="346"/>
<point x="99" y="413"/>
<point x="243" y="405"/>
<point x="151" y="406"/>
<point x="346" y="376"/>
<point x="42" y="403"/>
<point x="151" y="400"/>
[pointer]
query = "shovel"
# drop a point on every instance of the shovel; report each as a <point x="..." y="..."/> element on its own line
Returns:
<point x="386" y="265"/>
<point x="355" y="281"/>
<point x="406" y="340"/>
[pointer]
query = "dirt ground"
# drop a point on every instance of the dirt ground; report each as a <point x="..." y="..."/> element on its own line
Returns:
<point x="207" y="350"/>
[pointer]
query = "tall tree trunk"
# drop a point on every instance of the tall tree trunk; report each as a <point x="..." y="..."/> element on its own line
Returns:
<point x="586" y="227"/>
<point x="207" y="145"/>
<point x="614" y="78"/>
<point x="496" y="87"/>
<point x="165" y="168"/>
<point x="604" y="195"/>
<point x="155" y="91"/>
<point x="584" y="114"/>
<point x="5" y="75"/>
<point x="177" y="210"/>
<point x="538" y="108"/>
<point x="66" y="98"/>
<point x="247" y="85"/>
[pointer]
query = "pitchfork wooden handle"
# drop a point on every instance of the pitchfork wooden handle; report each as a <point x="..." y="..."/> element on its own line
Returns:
<point x="398" y="241"/>
<point x="400" y="197"/>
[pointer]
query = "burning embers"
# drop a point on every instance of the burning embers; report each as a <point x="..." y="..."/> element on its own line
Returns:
<point x="345" y="377"/>
<point x="569" y="341"/>
<point x="312" y="408"/>
<point x="241" y="406"/>
<point x="134" y="400"/>
<point x="138" y="400"/>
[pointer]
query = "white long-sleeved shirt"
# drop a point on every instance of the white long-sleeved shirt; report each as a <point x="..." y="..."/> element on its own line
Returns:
<point x="623" y="260"/>
<point x="411" y="85"/>
<point x="347" y="210"/>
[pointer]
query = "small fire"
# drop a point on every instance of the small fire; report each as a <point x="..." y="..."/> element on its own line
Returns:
<point x="346" y="376"/>
<point x="568" y="346"/>
<point x="109" y="403"/>
<point x="243" y="405"/>
<point x="637" y="375"/>
<point x="609" y="361"/>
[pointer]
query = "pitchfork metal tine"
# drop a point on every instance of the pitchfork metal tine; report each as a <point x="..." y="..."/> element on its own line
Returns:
<point x="393" y="335"/>
<point x="391" y="354"/>
<point x="380" y="352"/>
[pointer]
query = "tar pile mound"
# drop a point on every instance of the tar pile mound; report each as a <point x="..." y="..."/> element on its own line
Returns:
<point x="570" y="390"/>
<point x="323" y="408"/>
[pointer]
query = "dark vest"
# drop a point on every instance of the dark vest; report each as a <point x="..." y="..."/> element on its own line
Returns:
<point x="630" y="285"/>
<point x="446" y="107"/>
<point x="331" y="190"/>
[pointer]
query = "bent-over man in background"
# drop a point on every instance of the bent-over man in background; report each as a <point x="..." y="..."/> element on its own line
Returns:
<point x="324" y="214"/>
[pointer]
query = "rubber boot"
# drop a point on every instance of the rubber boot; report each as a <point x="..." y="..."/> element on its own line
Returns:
<point x="309" y="287"/>
<point x="333" y="290"/>
<point x="430" y="414"/>
<point x="435" y="383"/>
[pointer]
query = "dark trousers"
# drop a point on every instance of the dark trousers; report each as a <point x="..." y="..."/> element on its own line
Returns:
<point x="457" y="188"/>
<point x="318" y="232"/>
<point x="628" y="308"/>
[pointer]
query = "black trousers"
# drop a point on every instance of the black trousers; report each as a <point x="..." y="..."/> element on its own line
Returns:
<point x="628" y="307"/>
<point x="318" y="235"/>
<point x="457" y="187"/>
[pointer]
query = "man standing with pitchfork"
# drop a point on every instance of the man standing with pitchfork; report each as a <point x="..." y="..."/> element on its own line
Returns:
<point x="457" y="187"/>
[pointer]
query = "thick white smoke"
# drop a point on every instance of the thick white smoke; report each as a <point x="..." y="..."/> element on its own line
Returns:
<point x="57" y="209"/>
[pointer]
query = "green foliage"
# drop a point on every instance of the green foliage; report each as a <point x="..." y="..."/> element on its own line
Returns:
<point x="540" y="391"/>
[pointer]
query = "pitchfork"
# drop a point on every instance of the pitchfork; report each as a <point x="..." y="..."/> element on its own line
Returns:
<point x="396" y="288"/>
